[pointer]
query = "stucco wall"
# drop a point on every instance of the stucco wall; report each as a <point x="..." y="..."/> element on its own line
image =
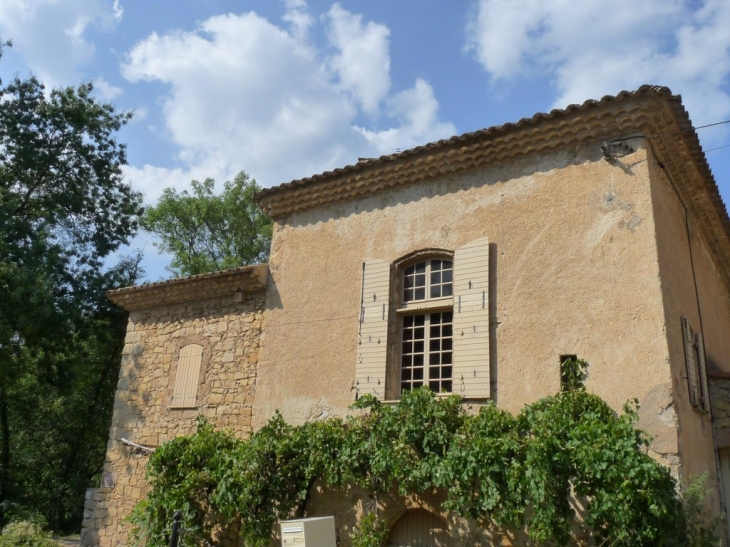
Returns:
<point x="459" y="532"/>
<point x="692" y="287"/>
<point x="229" y="333"/>
<point x="577" y="273"/>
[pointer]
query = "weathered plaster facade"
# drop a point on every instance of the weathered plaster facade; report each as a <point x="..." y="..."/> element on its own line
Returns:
<point x="604" y="230"/>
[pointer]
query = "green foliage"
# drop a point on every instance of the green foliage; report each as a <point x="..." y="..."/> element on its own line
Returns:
<point x="370" y="532"/>
<point x="511" y="470"/>
<point x="25" y="534"/>
<point x="573" y="375"/>
<point x="64" y="207"/>
<point x="700" y="533"/>
<point x="206" y="232"/>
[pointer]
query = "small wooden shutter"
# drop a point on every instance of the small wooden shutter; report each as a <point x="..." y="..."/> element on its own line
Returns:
<point x="372" y="343"/>
<point x="188" y="373"/>
<point x="471" y="320"/>
<point x="703" y="372"/>
<point x="689" y="354"/>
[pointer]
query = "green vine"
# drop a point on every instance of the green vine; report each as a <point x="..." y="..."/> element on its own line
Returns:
<point x="370" y="532"/>
<point x="573" y="374"/>
<point x="518" y="471"/>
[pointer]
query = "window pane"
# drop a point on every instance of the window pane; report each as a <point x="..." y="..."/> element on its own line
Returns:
<point x="430" y="350"/>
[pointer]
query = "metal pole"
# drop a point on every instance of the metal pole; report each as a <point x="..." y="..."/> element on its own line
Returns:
<point x="175" y="533"/>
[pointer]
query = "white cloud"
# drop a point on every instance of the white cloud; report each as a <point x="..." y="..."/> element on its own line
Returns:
<point x="106" y="91"/>
<point x="417" y="111"/>
<point x="248" y="94"/>
<point x="362" y="61"/>
<point x="590" y="49"/>
<point x="299" y="19"/>
<point x="49" y="34"/>
<point x="152" y="180"/>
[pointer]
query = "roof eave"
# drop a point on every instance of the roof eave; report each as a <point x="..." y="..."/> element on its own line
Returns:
<point x="243" y="279"/>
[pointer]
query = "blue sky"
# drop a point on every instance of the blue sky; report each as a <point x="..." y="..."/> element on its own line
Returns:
<point x="284" y="89"/>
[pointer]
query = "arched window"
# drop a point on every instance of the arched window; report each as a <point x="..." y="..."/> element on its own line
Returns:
<point x="419" y="528"/>
<point x="426" y="314"/>
<point x="187" y="376"/>
<point x="424" y="320"/>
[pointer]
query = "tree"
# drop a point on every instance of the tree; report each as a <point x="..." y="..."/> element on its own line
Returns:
<point x="205" y="232"/>
<point x="64" y="207"/>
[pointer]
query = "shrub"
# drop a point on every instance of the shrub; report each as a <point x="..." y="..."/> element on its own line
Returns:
<point x="25" y="534"/>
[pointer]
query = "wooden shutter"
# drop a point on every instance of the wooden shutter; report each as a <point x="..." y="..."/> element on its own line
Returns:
<point x="471" y="320"/>
<point x="372" y="343"/>
<point x="689" y="354"/>
<point x="703" y="372"/>
<point x="188" y="373"/>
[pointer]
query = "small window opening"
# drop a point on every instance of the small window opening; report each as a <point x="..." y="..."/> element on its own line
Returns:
<point x="572" y="373"/>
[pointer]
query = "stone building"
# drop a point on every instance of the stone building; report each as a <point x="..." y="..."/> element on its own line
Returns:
<point x="473" y="265"/>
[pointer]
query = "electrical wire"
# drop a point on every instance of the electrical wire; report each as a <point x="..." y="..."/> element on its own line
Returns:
<point x="717" y="148"/>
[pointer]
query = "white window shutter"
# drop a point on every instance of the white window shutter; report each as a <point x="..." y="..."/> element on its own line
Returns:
<point x="372" y="343"/>
<point x="689" y="354"/>
<point x="703" y="373"/>
<point x="471" y="320"/>
<point x="188" y="374"/>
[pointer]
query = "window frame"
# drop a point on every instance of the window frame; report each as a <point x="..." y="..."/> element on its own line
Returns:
<point x="412" y="308"/>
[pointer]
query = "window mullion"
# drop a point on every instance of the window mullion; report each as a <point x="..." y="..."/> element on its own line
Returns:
<point x="427" y="350"/>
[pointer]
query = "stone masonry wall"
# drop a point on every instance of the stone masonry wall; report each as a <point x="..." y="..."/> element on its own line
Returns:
<point x="229" y="332"/>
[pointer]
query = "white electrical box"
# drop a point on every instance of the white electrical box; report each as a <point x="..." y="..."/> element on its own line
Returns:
<point x="312" y="532"/>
